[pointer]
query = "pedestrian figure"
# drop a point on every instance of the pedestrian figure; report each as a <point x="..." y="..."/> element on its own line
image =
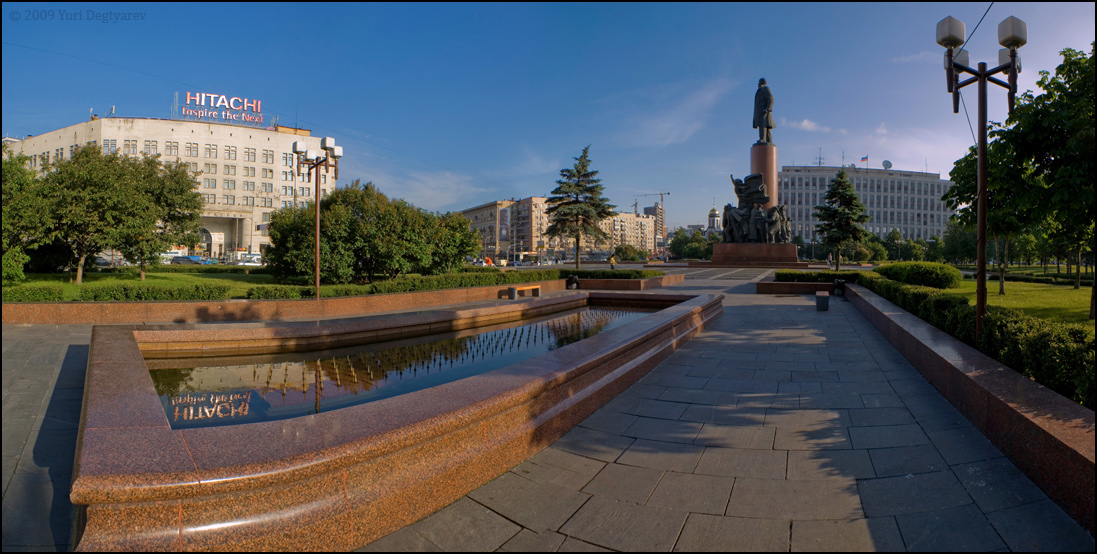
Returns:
<point x="830" y="260"/>
<point x="612" y="262"/>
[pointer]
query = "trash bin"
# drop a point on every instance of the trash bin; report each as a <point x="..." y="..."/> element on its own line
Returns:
<point x="840" y="287"/>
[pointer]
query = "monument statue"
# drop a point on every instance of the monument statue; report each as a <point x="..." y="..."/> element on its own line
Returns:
<point x="763" y="112"/>
<point x="750" y="221"/>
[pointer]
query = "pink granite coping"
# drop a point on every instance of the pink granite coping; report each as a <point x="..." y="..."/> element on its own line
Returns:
<point x="338" y="479"/>
<point x="780" y="287"/>
<point x="1048" y="436"/>
<point x="631" y="284"/>
<point x="189" y="311"/>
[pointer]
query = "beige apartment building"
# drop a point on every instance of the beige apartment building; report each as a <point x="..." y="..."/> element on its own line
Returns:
<point x="243" y="172"/>
<point x="515" y="230"/>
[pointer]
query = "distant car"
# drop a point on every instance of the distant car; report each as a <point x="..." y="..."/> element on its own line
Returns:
<point x="185" y="260"/>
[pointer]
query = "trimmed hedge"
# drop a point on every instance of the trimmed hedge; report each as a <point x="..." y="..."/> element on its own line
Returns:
<point x="33" y="293"/>
<point x="1059" y="356"/>
<point x="929" y="274"/>
<point x="134" y="291"/>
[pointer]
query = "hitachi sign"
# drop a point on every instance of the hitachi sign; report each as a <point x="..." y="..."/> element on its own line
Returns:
<point x="222" y="101"/>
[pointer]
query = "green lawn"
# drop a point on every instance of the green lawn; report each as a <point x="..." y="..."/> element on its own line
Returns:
<point x="1056" y="302"/>
<point x="238" y="282"/>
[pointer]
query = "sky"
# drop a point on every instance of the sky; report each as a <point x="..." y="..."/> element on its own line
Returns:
<point x="450" y="106"/>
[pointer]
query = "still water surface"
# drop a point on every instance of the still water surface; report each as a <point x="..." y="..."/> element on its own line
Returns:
<point x="245" y="390"/>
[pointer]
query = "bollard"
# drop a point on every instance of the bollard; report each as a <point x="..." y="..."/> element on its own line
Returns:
<point x="513" y="293"/>
<point x="822" y="301"/>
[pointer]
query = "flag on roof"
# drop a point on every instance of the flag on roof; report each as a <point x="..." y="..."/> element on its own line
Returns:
<point x="864" y="159"/>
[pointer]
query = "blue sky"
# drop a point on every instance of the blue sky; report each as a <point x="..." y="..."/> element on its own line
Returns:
<point x="453" y="105"/>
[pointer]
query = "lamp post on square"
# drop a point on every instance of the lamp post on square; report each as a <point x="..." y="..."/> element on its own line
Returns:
<point x="311" y="160"/>
<point x="1012" y="34"/>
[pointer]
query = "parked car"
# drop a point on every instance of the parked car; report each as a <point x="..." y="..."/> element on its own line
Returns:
<point x="185" y="260"/>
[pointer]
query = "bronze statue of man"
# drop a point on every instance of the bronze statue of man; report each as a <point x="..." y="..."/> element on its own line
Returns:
<point x="763" y="112"/>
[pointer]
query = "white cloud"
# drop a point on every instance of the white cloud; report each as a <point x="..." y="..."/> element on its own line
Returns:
<point x="804" y="125"/>
<point x="430" y="190"/>
<point x="677" y="119"/>
<point x="881" y="130"/>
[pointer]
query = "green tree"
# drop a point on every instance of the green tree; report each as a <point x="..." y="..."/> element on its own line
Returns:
<point x="1055" y="130"/>
<point x="97" y="202"/>
<point x="959" y="242"/>
<point x="27" y="213"/>
<point x="452" y="242"/>
<point x="170" y="215"/>
<point x="841" y="216"/>
<point x="893" y="242"/>
<point x="577" y="205"/>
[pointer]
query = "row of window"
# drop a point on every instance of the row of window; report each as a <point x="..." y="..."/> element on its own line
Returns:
<point x="230" y="200"/>
<point x="864" y="184"/>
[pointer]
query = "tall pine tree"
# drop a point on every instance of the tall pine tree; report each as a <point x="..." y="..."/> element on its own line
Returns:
<point x="841" y="216"/>
<point x="577" y="204"/>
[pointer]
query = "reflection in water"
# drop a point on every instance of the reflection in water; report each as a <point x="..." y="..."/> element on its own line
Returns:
<point x="291" y="385"/>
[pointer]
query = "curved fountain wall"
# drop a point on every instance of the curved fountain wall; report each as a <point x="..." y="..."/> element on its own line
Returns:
<point x="339" y="479"/>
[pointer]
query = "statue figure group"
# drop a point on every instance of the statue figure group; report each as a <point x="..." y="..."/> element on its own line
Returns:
<point x="750" y="222"/>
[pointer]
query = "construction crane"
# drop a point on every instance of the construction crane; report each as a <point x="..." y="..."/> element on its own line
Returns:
<point x="663" y="209"/>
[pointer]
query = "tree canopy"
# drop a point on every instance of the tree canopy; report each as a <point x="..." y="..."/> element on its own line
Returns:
<point x="577" y="205"/>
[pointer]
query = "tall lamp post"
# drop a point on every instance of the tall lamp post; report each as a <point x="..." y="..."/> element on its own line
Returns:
<point x="312" y="160"/>
<point x="1012" y="34"/>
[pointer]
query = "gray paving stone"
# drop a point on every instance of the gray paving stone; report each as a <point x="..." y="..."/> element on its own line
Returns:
<point x="907" y="494"/>
<point x="822" y="401"/>
<point x="662" y="455"/>
<point x="529" y="541"/>
<point x="811" y="438"/>
<point x="829" y="464"/>
<point x="963" y="445"/>
<point x="890" y="400"/>
<point x="878" y="534"/>
<point x="609" y="421"/>
<point x="954" y="529"/>
<point x="799" y="500"/>
<point x="880" y="416"/>
<point x="663" y="430"/>
<point x="684" y="397"/>
<point x="1040" y="526"/>
<point x="403" y="540"/>
<point x="559" y="467"/>
<point x="593" y="444"/>
<point x="742" y="462"/>
<point x="725" y="415"/>
<point x="736" y="436"/>
<point x="997" y="484"/>
<point x="530" y="504"/>
<point x="645" y="407"/>
<point x="807" y="418"/>
<point x="709" y="533"/>
<point x="620" y="482"/>
<point x="685" y="492"/>
<point x="904" y="460"/>
<point x="625" y="526"/>
<point x="887" y="436"/>
<point x="465" y="526"/>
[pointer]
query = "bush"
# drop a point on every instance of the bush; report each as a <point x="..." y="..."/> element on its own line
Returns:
<point x="280" y="292"/>
<point x="145" y="292"/>
<point x="794" y="276"/>
<point x="929" y="274"/>
<point x="33" y="293"/>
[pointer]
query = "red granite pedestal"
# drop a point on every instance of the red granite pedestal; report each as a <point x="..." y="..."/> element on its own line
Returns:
<point x="734" y="254"/>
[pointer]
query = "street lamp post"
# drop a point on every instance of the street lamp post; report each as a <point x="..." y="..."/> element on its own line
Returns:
<point x="312" y="160"/>
<point x="1012" y="34"/>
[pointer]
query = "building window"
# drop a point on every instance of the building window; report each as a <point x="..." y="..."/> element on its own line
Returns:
<point x="268" y="156"/>
<point x="230" y="152"/>
<point x="171" y="148"/>
<point x="229" y="170"/>
<point x="267" y="203"/>
<point x="129" y="147"/>
<point x="228" y="200"/>
<point x="209" y="183"/>
<point x="110" y="146"/>
<point x="230" y="184"/>
<point x="287" y="159"/>
<point x="268" y="173"/>
<point x="249" y="171"/>
<point x="249" y="186"/>
<point x="304" y="192"/>
<point x="210" y="169"/>
<point x="249" y="154"/>
<point x="59" y="154"/>
<point x="211" y="151"/>
<point x="287" y="191"/>
<point x="150" y="148"/>
<point x="192" y="150"/>
<point x="248" y="201"/>
<point x="268" y="187"/>
<point x="209" y="198"/>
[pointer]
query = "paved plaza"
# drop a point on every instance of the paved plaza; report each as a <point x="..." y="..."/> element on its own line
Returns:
<point x="778" y="428"/>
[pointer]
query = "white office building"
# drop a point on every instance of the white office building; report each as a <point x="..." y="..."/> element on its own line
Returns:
<point x="909" y="201"/>
<point x="244" y="166"/>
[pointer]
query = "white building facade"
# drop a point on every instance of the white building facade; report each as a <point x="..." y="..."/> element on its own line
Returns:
<point x="909" y="201"/>
<point x="243" y="172"/>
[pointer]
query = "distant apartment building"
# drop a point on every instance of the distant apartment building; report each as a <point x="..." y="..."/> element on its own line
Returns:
<point x="244" y="166"/>
<point x="909" y="201"/>
<point x="515" y="230"/>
